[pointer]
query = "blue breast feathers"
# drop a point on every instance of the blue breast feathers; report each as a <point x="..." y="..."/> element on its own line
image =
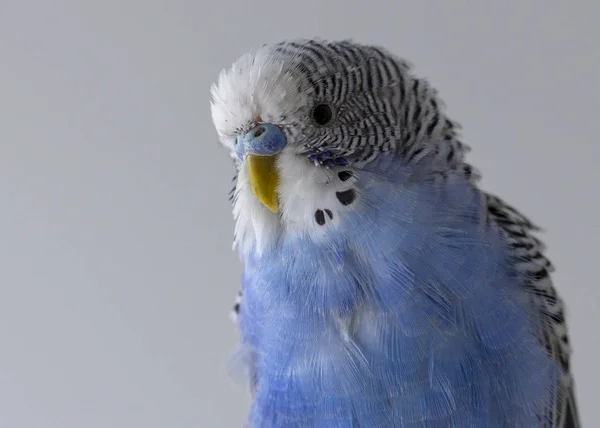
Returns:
<point x="411" y="314"/>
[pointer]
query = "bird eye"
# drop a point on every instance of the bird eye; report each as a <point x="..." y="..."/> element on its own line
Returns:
<point x="322" y="114"/>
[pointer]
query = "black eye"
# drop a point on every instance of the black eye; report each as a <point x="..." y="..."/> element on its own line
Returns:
<point x="322" y="114"/>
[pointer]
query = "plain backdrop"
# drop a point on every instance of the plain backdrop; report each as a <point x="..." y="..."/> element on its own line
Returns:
<point x="116" y="269"/>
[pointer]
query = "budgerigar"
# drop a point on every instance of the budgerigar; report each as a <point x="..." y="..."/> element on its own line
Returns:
<point x="381" y="286"/>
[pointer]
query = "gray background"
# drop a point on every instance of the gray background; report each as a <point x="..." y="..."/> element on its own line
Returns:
<point x="116" y="270"/>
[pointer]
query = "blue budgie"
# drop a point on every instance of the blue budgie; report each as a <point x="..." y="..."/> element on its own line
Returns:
<point x="381" y="286"/>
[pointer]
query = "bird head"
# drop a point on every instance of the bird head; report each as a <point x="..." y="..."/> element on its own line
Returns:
<point x="301" y="119"/>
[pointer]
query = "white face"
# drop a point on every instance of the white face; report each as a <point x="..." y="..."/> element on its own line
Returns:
<point x="261" y="88"/>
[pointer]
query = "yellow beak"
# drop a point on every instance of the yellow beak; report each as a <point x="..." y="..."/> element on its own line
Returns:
<point x="264" y="179"/>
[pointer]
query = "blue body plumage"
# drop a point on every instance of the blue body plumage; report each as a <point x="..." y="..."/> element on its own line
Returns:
<point x="410" y="313"/>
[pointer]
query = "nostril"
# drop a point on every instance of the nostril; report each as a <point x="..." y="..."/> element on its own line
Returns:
<point x="265" y="139"/>
<point x="258" y="132"/>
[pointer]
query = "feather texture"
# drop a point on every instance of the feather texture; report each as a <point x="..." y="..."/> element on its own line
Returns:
<point x="411" y="312"/>
<point x="390" y="291"/>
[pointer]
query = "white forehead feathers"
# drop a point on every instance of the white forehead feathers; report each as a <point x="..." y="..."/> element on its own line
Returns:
<point x="259" y="87"/>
